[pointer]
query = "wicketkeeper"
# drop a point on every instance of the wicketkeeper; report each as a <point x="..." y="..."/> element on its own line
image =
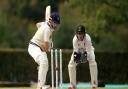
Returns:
<point x="82" y="51"/>
<point x="40" y="44"/>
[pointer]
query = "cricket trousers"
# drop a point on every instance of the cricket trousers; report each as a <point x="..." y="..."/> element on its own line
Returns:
<point x="41" y="59"/>
<point x="92" y="65"/>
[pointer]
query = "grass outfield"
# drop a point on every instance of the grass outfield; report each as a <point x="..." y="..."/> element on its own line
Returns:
<point x="64" y="88"/>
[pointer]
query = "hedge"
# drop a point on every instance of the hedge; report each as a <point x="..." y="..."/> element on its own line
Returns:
<point x="18" y="66"/>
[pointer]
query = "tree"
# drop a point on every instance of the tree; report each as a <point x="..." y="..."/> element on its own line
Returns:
<point x="105" y="21"/>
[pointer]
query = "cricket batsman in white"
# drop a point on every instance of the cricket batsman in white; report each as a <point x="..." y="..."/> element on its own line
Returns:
<point x="82" y="51"/>
<point x="40" y="44"/>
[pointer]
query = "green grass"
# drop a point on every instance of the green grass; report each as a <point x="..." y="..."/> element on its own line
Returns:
<point x="64" y="88"/>
<point x="17" y="88"/>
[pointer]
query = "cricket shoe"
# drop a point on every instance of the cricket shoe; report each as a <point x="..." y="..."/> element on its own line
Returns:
<point x="72" y="86"/>
<point x="94" y="86"/>
<point x="44" y="87"/>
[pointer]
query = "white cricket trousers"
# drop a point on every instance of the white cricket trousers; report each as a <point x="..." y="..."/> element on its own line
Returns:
<point x="42" y="61"/>
<point x="92" y="65"/>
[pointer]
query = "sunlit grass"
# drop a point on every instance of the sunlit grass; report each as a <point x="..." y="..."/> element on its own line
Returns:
<point x="50" y="88"/>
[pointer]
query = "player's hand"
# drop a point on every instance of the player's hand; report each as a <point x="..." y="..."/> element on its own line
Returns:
<point x="85" y="53"/>
<point x="46" y="46"/>
<point x="80" y="57"/>
<point x="77" y="56"/>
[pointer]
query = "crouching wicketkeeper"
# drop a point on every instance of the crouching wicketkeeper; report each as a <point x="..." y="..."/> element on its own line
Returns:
<point x="82" y="51"/>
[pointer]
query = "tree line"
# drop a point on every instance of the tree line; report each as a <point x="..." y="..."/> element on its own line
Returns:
<point x="105" y="20"/>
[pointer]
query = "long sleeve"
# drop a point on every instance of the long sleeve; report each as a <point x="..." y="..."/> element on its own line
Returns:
<point x="88" y="43"/>
<point x="75" y="44"/>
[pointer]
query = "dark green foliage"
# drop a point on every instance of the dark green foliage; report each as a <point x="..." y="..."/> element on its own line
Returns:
<point x="105" y="20"/>
<point x="18" y="66"/>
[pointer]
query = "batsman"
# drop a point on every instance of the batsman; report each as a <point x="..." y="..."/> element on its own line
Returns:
<point x="83" y="51"/>
<point x="40" y="44"/>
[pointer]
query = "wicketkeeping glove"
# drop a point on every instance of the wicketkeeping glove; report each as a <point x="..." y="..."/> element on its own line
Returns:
<point x="84" y="57"/>
<point x="77" y="56"/>
<point x="80" y="57"/>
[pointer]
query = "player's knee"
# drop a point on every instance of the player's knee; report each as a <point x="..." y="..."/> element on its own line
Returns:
<point x="44" y="67"/>
<point x="91" y="56"/>
<point x="92" y="63"/>
<point x="44" y="64"/>
<point x="42" y="60"/>
<point x="71" y="66"/>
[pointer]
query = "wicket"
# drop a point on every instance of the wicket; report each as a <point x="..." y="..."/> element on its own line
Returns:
<point x="56" y="56"/>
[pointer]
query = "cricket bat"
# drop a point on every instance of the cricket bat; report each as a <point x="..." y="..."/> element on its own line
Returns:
<point x="47" y="13"/>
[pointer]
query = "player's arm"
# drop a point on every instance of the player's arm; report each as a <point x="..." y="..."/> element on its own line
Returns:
<point x="38" y="25"/>
<point x="75" y="44"/>
<point x="88" y="43"/>
<point x="76" y="54"/>
<point x="75" y="47"/>
<point x="47" y="35"/>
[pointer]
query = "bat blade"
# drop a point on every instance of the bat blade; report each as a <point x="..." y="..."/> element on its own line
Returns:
<point x="47" y="12"/>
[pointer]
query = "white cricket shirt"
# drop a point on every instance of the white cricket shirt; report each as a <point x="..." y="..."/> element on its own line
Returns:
<point x="81" y="46"/>
<point x="43" y="34"/>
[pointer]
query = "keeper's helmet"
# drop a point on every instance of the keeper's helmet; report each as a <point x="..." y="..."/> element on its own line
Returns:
<point x="80" y="32"/>
<point x="80" y="29"/>
<point x="55" y="17"/>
